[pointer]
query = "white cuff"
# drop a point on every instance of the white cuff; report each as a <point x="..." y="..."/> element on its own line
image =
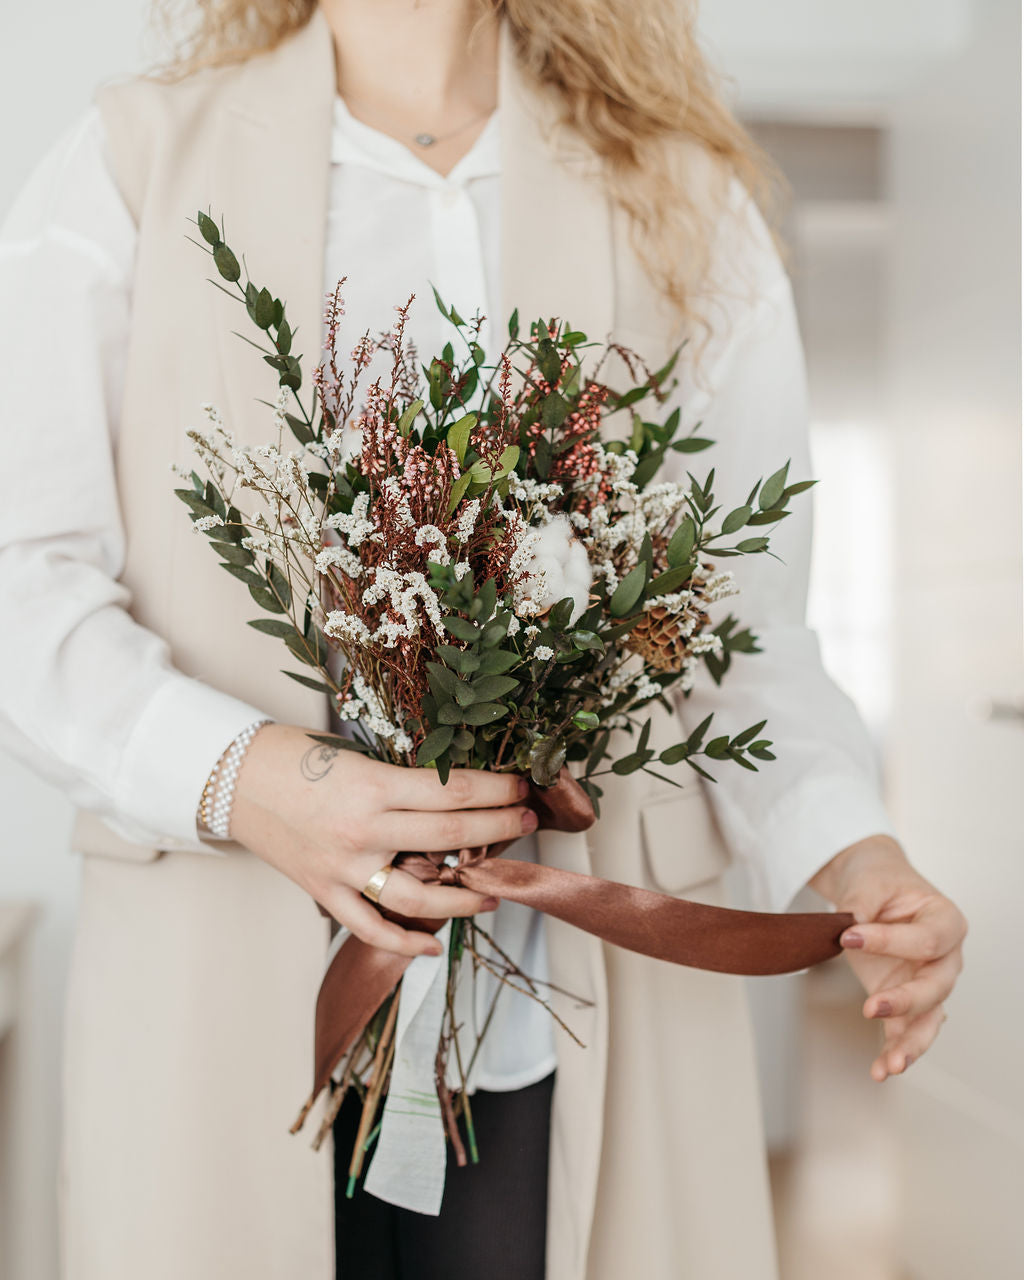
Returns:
<point x="176" y="742"/>
<point x="807" y="828"/>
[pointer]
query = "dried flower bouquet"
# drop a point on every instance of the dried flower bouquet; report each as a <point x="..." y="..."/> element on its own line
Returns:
<point x="478" y="575"/>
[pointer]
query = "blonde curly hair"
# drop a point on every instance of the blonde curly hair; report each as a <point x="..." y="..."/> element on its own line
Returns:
<point x="629" y="76"/>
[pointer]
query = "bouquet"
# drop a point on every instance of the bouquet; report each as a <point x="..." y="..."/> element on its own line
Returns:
<point x="480" y="566"/>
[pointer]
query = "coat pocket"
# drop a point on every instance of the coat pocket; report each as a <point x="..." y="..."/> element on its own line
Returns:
<point x="682" y="844"/>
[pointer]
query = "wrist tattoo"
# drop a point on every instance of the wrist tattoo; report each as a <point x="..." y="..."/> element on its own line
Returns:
<point x="317" y="761"/>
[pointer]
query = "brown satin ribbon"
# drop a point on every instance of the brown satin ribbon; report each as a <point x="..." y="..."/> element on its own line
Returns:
<point x="360" y="977"/>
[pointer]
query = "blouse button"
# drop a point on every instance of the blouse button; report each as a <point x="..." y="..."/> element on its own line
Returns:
<point x="449" y="196"/>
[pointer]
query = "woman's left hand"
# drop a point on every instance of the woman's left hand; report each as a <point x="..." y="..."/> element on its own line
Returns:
<point x="905" y="947"/>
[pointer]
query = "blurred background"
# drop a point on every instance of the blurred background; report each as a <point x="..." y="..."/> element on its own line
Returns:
<point x="898" y="126"/>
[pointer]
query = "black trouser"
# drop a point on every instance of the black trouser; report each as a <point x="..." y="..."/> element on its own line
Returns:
<point x="493" y="1215"/>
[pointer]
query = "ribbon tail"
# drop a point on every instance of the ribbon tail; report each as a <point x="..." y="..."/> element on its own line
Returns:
<point x="722" y="939"/>
<point x="357" y="981"/>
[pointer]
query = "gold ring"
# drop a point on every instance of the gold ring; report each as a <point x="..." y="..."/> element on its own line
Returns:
<point x="376" y="883"/>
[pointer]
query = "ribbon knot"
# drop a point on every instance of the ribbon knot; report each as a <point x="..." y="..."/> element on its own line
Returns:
<point x="359" y="977"/>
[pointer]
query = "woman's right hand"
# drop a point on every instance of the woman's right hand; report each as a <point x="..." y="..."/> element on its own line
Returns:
<point x="329" y="818"/>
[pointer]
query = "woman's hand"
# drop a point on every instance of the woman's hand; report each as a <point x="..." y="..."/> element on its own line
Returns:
<point x="329" y="818"/>
<point x="906" y="945"/>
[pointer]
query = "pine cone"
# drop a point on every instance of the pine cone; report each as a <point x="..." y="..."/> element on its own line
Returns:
<point x="658" y="640"/>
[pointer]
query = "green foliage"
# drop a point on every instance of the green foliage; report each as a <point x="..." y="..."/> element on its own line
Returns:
<point x="488" y="700"/>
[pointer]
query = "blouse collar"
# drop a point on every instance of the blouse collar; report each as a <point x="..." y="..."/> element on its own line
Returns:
<point x="355" y="142"/>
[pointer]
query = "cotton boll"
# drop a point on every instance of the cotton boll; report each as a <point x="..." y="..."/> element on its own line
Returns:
<point x="580" y="577"/>
<point x="560" y="561"/>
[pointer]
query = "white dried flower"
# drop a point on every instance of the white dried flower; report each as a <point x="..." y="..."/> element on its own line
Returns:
<point x="346" y="627"/>
<point x="720" y="585"/>
<point x="353" y="526"/>
<point x="429" y="535"/>
<point x="543" y="653"/>
<point x="466" y="522"/>
<point x="338" y="557"/>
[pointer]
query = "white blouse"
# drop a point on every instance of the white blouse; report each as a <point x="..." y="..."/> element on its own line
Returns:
<point x="90" y="699"/>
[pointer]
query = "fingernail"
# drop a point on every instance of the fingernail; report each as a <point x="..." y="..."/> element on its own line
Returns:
<point x="852" y="940"/>
<point x="908" y="1060"/>
<point x="530" y="820"/>
<point x="883" y="1009"/>
<point x="490" y="904"/>
<point x="523" y="789"/>
<point x="434" y="949"/>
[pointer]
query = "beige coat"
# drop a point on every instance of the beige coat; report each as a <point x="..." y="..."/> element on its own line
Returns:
<point x="190" y="1015"/>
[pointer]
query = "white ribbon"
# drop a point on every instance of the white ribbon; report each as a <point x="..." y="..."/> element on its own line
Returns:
<point x="408" y="1164"/>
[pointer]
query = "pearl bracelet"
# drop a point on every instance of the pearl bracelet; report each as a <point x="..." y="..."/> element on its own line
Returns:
<point x="219" y="793"/>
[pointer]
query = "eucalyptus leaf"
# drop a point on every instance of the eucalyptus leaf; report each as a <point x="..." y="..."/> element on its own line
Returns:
<point x="458" y="435"/>
<point x="226" y="263"/>
<point x="773" y="488"/>
<point x="459" y="488"/>
<point x="408" y="417"/>
<point x="627" y="594"/>
<point x="483" y="713"/>
<point x="486" y="688"/>
<point x="263" y="310"/>
<point x="263" y="596"/>
<point x="558" y="617"/>
<point x="554" y="409"/>
<point x="231" y="553"/>
<point x="434" y="743"/>
<point x="460" y="660"/>
<point x="665" y="583"/>
<point x="198" y="505"/>
<point x="587" y="640"/>
<point x="461" y="628"/>
<point x="249" y="576"/>
<point x="308" y="681"/>
<point x="496" y="662"/>
<point x="273" y="627"/>
<point x="748" y="735"/>
<point x="208" y="229"/>
<point x="680" y="546"/>
<point x="735" y="520"/>
<point x="696" y="738"/>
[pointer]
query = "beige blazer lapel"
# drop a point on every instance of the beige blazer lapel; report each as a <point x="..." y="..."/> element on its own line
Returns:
<point x="270" y="180"/>
<point x="271" y="183"/>
<point x="557" y="253"/>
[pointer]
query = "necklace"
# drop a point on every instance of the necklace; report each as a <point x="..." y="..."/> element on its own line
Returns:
<point x="429" y="139"/>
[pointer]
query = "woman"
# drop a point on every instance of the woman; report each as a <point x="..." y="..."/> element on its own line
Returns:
<point x="197" y="960"/>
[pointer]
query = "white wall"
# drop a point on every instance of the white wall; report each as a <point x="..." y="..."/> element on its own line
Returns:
<point x="51" y="58"/>
<point x="954" y="351"/>
<point x="829" y="59"/>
